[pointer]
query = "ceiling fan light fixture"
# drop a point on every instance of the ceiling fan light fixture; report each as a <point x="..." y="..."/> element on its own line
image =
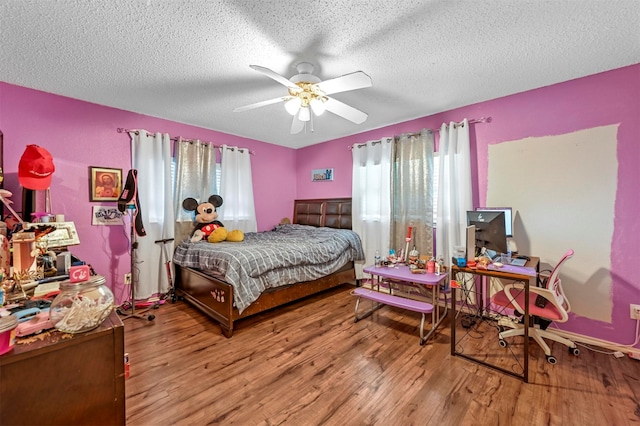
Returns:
<point x="304" y="114"/>
<point x="317" y="105"/>
<point x="308" y="96"/>
<point x="293" y="105"/>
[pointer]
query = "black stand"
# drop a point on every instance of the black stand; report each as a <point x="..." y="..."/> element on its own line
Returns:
<point x="171" y="294"/>
<point x="131" y="312"/>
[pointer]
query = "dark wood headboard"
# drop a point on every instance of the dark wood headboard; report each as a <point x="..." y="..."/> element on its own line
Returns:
<point x="329" y="212"/>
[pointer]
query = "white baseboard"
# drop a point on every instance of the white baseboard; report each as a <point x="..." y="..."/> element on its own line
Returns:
<point x="579" y="338"/>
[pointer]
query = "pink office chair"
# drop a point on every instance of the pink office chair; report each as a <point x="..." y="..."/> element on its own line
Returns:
<point x="548" y="303"/>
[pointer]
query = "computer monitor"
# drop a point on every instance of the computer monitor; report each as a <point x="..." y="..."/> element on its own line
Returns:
<point x="490" y="229"/>
<point x="508" y="217"/>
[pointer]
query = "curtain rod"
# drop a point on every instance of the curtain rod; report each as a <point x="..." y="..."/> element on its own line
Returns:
<point x="472" y="121"/>
<point x="180" y="138"/>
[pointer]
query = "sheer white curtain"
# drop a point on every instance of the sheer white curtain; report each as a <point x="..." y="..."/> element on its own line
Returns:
<point x="412" y="192"/>
<point x="195" y="177"/>
<point x="371" y="195"/>
<point x="454" y="189"/>
<point x="236" y="189"/>
<point x="151" y="156"/>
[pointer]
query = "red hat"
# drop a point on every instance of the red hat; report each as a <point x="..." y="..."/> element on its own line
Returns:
<point x="35" y="168"/>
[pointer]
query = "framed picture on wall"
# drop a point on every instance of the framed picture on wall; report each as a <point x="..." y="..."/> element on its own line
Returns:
<point x="105" y="184"/>
<point x="321" y="175"/>
<point x="106" y="215"/>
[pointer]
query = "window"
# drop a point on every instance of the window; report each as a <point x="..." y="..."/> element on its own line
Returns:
<point x="370" y="177"/>
<point x="218" y="174"/>
<point x="181" y="214"/>
<point x="436" y="174"/>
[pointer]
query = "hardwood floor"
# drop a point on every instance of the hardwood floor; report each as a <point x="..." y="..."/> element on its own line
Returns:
<point x="308" y="363"/>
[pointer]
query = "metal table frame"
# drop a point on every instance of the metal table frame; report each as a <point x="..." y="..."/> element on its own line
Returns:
<point x="527" y="275"/>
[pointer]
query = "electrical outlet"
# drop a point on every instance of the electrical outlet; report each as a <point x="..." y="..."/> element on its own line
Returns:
<point x="127" y="278"/>
<point x="635" y="312"/>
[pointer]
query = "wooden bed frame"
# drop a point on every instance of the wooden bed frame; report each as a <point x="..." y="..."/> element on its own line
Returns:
<point x="215" y="297"/>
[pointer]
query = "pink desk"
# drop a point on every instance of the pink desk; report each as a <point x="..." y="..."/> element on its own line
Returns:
<point x="403" y="274"/>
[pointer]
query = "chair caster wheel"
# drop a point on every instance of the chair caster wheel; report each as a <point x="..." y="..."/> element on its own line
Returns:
<point x="503" y="343"/>
<point x="551" y="359"/>
<point x="574" y="351"/>
<point x="151" y="317"/>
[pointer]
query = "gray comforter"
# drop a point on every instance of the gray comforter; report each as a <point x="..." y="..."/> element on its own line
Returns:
<point x="288" y="254"/>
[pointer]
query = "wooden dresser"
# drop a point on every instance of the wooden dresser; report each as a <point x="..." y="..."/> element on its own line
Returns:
<point x="65" y="379"/>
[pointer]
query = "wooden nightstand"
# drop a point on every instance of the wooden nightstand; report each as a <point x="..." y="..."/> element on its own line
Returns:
<point x="65" y="379"/>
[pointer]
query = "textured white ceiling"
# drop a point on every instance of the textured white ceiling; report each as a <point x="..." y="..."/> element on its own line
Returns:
<point x="188" y="61"/>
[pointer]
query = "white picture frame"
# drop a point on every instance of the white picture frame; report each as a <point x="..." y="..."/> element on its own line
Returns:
<point x="63" y="233"/>
<point x="322" y="175"/>
<point x="106" y="216"/>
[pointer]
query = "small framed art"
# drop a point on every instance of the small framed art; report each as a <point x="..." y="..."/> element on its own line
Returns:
<point x="105" y="184"/>
<point x="321" y="175"/>
<point x="106" y="215"/>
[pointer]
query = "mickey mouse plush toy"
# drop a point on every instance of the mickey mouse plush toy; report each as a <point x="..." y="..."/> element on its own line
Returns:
<point x="207" y="227"/>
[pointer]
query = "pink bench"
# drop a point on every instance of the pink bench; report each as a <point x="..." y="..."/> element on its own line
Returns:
<point x="391" y="300"/>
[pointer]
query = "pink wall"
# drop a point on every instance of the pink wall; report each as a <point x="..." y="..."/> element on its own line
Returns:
<point x="603" y="99"/>
<point x="80" y="134"/>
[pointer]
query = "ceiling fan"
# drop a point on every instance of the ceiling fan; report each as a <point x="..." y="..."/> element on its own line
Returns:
<point x="308" y="95"/>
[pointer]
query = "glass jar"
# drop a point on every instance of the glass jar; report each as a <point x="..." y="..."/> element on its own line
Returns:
<point x="81" y="306"/>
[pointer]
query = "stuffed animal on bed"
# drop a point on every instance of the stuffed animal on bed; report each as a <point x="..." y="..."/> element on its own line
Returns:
<point x="207" y="226"/>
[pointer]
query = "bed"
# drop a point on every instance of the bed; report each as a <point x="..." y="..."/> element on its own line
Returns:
<point x="273" y="271"/>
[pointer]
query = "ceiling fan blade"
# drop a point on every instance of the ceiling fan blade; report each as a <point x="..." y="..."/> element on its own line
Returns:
<point x="345" y="111"/>
<point x="275" y="76"/>
<point x="261" y="104"/>
<point x="297" y="125"/>
<point x="353" y="81"/>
